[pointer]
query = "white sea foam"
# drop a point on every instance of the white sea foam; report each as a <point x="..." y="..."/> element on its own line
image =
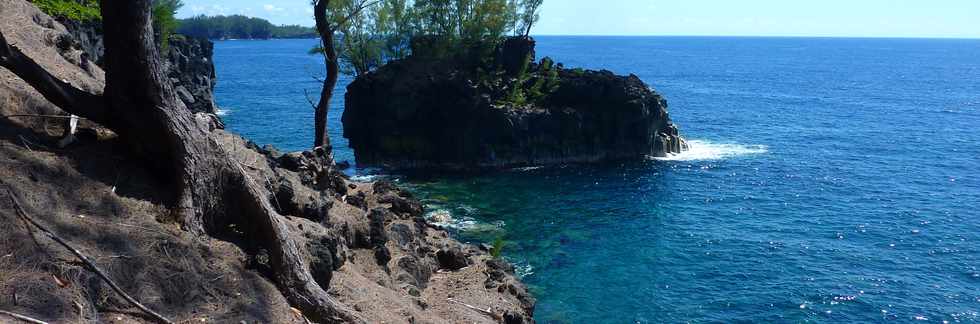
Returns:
<point x="367" y="177"/>
<point x="527" y="169"/>
<point x="705" y="150"/>
<point x="222" y="112"/>
<point x="523" y="270"/>
<point x="447" y="219"/>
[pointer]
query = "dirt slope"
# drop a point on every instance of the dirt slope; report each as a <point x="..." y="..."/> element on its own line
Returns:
<point x="368" y="239"/>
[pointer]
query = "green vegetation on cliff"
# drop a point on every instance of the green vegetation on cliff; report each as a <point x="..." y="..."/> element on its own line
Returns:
<point x="78" y="10"/>
<point x="240" y="27"/>
<point x="393" y="29"/>
<point x="164" y="22"/>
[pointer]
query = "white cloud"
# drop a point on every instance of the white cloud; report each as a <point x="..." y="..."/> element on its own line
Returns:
<point x="271" y="8"/>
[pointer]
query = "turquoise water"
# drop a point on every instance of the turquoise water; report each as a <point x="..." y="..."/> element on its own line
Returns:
<point x="830" y="180"/>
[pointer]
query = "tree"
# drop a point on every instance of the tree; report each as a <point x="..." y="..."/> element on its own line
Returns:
<point x="332" y="16"/>
<point x="530" y="14"/>
<point x="164" y="23"/>
<point x="208" y="189"/>
<point x="361" y="47"/>
<point x="393" y="24"/>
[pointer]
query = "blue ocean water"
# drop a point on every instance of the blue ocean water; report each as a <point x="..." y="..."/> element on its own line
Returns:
<point x="830" y="180"/>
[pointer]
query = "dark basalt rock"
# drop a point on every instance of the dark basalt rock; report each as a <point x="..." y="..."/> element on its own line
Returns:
<point x="428" y="113"/>
<point x="511" y="317"/>
<point x="452" y="258"/>
<point x="291" y="197"/>
<point x="189" y="66"/>
<point x="419" y="271"/>
<point x="188" y="62"/>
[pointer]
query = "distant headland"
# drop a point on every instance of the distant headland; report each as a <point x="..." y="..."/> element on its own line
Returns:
<point x="240" y="27"/>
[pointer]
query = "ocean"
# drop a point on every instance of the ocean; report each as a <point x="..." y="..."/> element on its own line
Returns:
<point x="829" y="180"/>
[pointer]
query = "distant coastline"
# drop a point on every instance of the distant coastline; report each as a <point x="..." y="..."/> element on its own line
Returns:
<point x="240" y="27"/>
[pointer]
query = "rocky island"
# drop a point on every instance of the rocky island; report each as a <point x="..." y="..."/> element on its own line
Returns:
<point x="426" y="111"/>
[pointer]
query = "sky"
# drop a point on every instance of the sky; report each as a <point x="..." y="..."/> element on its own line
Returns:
<point x="824" y="18"/>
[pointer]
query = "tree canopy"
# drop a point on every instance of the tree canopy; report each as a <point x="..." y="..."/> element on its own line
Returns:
<point x="164" y="22"/>
<point x="393" y="29"/>
<point x="240" y="27"/>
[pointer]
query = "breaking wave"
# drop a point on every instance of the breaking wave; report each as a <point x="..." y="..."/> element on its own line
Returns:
<point x="705" y="150"/>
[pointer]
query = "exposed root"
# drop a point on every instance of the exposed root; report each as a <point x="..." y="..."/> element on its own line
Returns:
<point x="291" y="269"/>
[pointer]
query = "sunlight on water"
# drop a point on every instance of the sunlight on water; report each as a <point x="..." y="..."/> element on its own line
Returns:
<point x="703" y="150"/>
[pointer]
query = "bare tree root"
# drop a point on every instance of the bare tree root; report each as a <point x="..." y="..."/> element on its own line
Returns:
<point x="91" y="265"/>
<point x="291" y="269"/>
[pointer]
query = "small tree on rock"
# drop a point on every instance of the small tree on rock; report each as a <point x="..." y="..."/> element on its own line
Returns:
<point x="332" y="17"/>
<point x="530" y="15"/>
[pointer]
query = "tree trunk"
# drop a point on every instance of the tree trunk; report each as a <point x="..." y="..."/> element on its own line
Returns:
<point x="326" y="31"/>
<point x="209" y="188"/>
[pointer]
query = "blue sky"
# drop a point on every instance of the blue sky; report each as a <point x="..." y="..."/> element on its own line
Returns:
<point x="843" y="18"/>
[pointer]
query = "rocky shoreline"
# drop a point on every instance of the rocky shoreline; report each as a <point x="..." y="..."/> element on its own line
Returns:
<point x="422" y="112"/>
<point x="366" y="243"/>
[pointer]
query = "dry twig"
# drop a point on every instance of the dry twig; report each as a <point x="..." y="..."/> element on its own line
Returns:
<point x="91" y="265"/>
<point x="23" y="318"/>
<point x="486" y="312"/>
<point x="37" y="116"/>
<point x="25" y="141"/>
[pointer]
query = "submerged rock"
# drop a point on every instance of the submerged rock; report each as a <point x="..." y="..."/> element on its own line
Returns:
<point x="422" y="112"/>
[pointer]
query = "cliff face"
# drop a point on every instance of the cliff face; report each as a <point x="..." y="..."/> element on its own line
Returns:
<point x="189" y="65"/>
<point x="421" y="113"/>
<point x="188" y="62"/>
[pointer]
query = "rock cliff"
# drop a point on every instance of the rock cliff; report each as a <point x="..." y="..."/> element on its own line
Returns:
<point x="191" y="68"/>
<point x="424" y="112"/>
<point x="188" y="61"/>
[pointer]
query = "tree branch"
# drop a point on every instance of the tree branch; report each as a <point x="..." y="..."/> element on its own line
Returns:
<point x="357" y="10"/>
<point x="57" y="91"/>
<point x="23" y="318"/>
<point x="91" y="265"/>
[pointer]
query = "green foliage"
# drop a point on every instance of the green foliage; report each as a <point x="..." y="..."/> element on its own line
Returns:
<point x="234" y="26"/>
<point x="549" y="73"/>
<point x="392" y="23"/>
<point x="530" y="15"/>
<point x="517" y="94"/>
<point x="164" y="23"/>
<point x="388" y="30"/>
<point x="78" y="10"/>
<point x="462" y="26"/>
<point x="496" y="250"/>
<point x="361" y="47"/>
<point x="533" y="86"/>
<point x="293" y="31"/>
